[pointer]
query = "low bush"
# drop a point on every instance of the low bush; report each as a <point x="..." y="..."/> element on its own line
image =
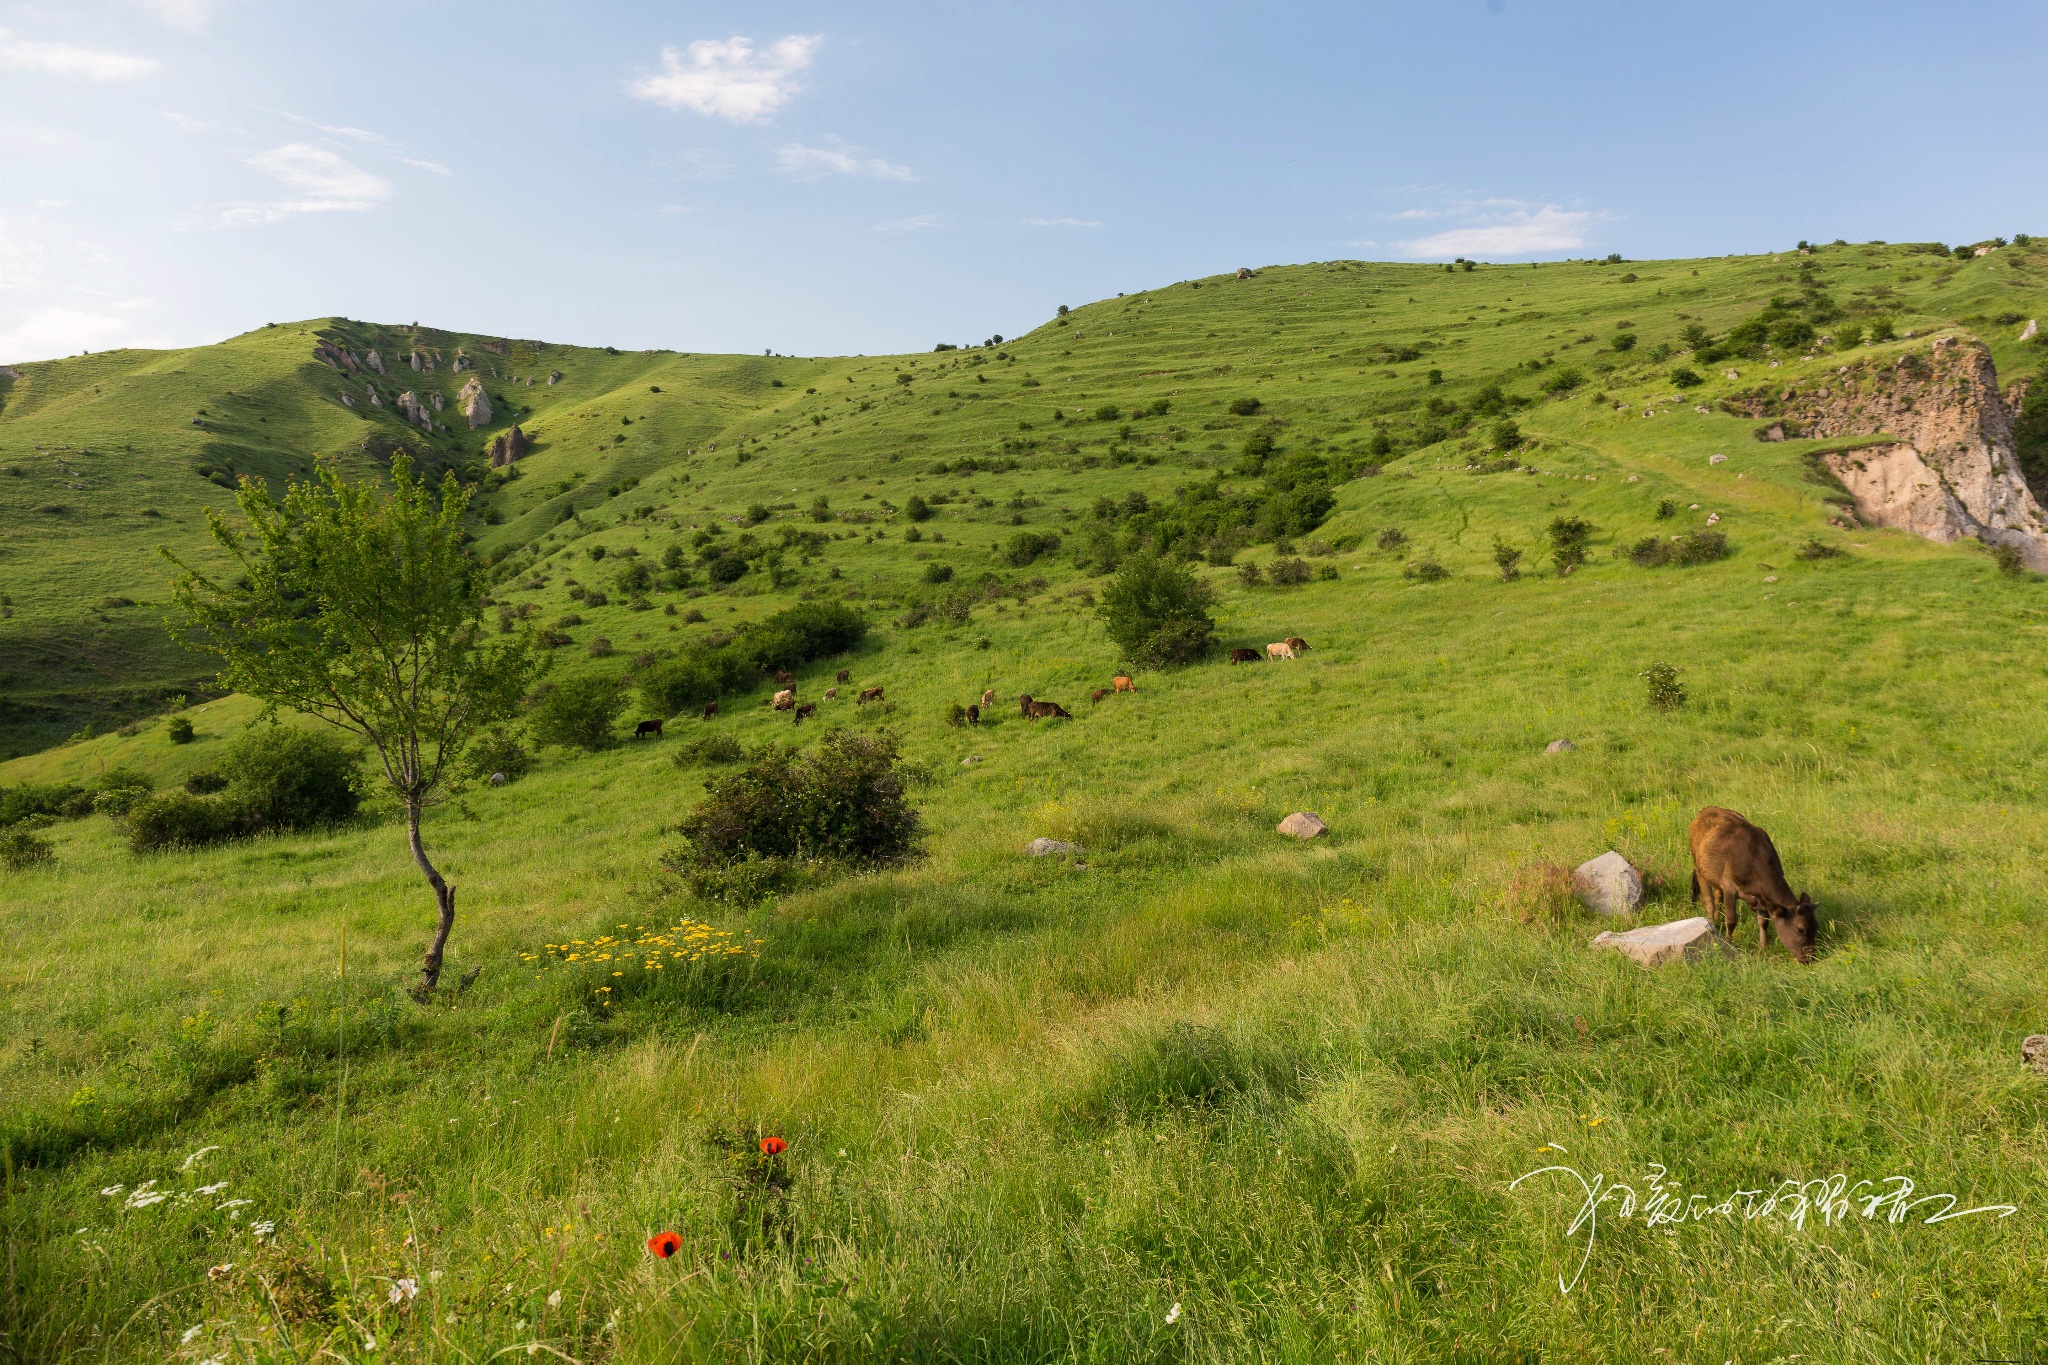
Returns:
<point x="22" y="850"/>
<point x="1569" y="539"/>
<point x="53" y="800"/>
<point x="293" y="779"/>
<point x="1392" y="539"/>
<point x="577" y="713"/>
<point x="179" y="730"/>
<point x="787" y="640"/>
<point x="708" y="750"/>
<point x="1695" y="547"/>
<point x="1426" y="570"/>
<point x="495" y="751"/>
<point x="1157" y="611"/>
<point x="1289" y="572"/>
<point x="1666" y="692"/>
<point x="1818" y="549"/>
<point x="1508" y="559"/>
<point x="2008" y="559"/>
<point x="1026" y="547"/>
<point x="118" y="789"/>
<point x="178" y="819"/>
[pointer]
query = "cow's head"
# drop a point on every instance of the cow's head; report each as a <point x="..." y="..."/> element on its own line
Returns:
<point x="1798" y="927"/>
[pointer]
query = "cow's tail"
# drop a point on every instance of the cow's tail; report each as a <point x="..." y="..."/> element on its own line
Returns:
<point x="1695" y="887"/>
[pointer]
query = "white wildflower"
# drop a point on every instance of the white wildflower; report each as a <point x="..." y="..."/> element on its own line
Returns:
<point x="112" y="1190"/>
<point x="433" y="1276"/>
<point x="190" y="1332"/>
<point x="1173" y="1315"/>
<point x="369" y="1343"/>
<point x="212" y="1189"/>
<point x="404" y="1289"/>
<point x="214" y="1360"/>
<point x="232" y="1204"/>
<point x="196" y="1155"/>
<point x="142" y="1196"/>
<point x="555" y="1299"/>
<point x="219" y="1272"/>
<point x="264" y="1228"/>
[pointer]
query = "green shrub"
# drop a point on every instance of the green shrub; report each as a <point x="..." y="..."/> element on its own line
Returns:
<point x="1699" y="547"/>
<point x="1426" y="570"/>
<point x="1666" y="692"/>
<point x="1563" y="381"/>
<point x="1505" y="435"/>
<point x="1025" y="547"/>
<point x="1818" y="549"/>
<point x="1508" y="559"/>
<point x="936" y="572"/>
<point x="118" y="789"/>
<point x="916" y="508"/>
<point x="1244" y="407"/>
<point x="48" y="800"/>
<point x="292" y="779"/>
<point x="577" y="713"/>
<point x="1157" y="611"/>
<point x="719" y="750"/>
<point x="1650" y="551"/>
<point x="1666" y="509"/>
<point x="1392" y="539"/>
<point x="2008" y="560"/>
<point x="22" y="850"/>
<point x="1289" y="572"/>
<point x="1792" y="334"/>
<point x="205" y="783"/>
<point x="1625" y="341"/>
<point x="495" y="751"/>
<point x="178" y="819"/>
<point x="179" y="730"/>
<point x="1569" y="538"/>
<point x="1882" y="329"/>
<point x="1686" y="379"/>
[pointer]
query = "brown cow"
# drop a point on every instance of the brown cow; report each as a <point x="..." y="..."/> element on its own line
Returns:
<point x="784" y="678"/>
<point x="1095" y="697"/>
<point x="1043" y="710"/>
<point x="974" y="715"/>
<point x="1296" y="643"/>
<point x="845" y="676"/>
<point x="803" y="711"/>
<point x="647" y="727"/>
<point x="1122" y="683"/>
<point x="831" y="692"/>
<point x="868" y="694"/>
<point x="1245" y="656"/>
<point x="710" y="710"/>
<point x="785" y="699"/>
<point x="1735" y="864"/>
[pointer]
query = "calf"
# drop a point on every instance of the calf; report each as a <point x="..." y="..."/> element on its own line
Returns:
<point x="845" y="676"/>
<point x="802" y="712"/>
<point x="974" y="715"/>
<point x="1735" y="865"/>
<point x="646" y="728"/>
<point x="1296" y="643"/>
<point x="1245" y="656"/>
<point x="1280" y="650"/>
<point x="1122" y="683"/>
<point x="784" y="678"/>
<point x="988" y="698"/>
<point x="785" y="699"/>
<point x="868" y="694"/>
<point x="1043" y="710"/>
<point x="710" y="710"/>
<point x="831" y="692"/>
<point x="1095" y="697"/>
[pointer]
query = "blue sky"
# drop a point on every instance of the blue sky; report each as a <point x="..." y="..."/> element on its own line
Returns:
<point x="836" y="178"/>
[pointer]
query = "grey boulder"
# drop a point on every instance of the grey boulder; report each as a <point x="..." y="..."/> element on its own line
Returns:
<point x="1609" y="885"/>
<point x="1302" y="825"/>
<point x="1559" y="746"/>
<point x="1041" y="848"/>
<point x="1683" y="940"/>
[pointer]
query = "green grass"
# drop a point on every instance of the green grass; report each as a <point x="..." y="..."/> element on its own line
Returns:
<point x="1033" y="1105"/>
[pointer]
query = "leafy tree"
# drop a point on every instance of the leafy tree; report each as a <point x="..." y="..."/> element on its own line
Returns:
<point x="1505" y="435"/>
<point x="359" y="605"/>
<point x="1569" y="538"/>
<point x="1625" y="341"/>
<point x="1508" y="559"/>
<point x="1157" y="611"/>
<point x="916" y="508"/>
<point x="578" y="713"/>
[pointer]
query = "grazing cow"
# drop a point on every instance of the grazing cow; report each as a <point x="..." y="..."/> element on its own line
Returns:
<point x="1245" y="656"/>
<point x="803" y="711"/>
<point x="974" y="715"/>
<point x="1735" y="864"/>
<point x="710" y="710"/>
<point x="1043" y="710"/>
<point x="1097" y="695"/>
<point x="845" y="676"/>
<point x="868" y="694"/>
<point x="646" y="728"/>
<point x="785" y="699"/>
<point x="784" y="678"/>
<point x="988" y="698"/>
<point x="1280" y="650"/>
<point x="831" y="692"/>
<point x="1297" y="644"/>
<point x="1122" y="683"/>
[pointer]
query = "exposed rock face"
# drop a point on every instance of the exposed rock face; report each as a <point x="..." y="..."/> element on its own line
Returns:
<point x="418" y="362"/>
<point x="553" y="375"/>
<point x="374" y="361"/>
<point x="327" y="353"/>
<point x="1303" y="825"/>
<point x="2034" y="1053"/>
<point x="439" y="401"/>
<point x="1685" y="940"/>
<point x="1609" y="885"/>
<point x="476" y="404"/>
<point x="415" y="411"/>
<point x="1953" y="474"/>
<point x="2031" y="330"/>
<point x="508" y="446"/>
<point x="462" y="362"/>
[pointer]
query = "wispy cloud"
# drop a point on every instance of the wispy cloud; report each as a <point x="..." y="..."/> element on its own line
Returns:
<point x="62" y="59"/>
<point x="1063" y="222"/>
<point x="920" y="223"/>
<point x="44" y="333"/>
<point x="1505" y="228"/>
<point x="323" y="182"/>
<point x="189" y="14"/>
<point x="377" y="141"/>
<point x="695" y="163"/>
<point x="809" y="163"/>
<point x="729" y="79"/>
<point x="185" y="123"/>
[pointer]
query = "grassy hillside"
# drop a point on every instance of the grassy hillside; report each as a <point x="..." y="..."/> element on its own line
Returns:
<point x="1035" y="1104"/>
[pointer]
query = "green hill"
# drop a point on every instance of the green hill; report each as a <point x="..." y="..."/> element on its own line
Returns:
<point x="1193" y="1090"/>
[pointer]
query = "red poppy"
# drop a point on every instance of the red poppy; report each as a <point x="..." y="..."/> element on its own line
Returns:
<point x="773" y="1146"/>
<point x="664" y="1244"/>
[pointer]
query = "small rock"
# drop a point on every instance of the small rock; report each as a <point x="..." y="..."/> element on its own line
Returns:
<point x="1732" y="374"/>
<point x="1717" y="459"/>
<point x="1302" y="825"/>
<point x="1770" y="578"/>
<point x="1041" y="848"/>
<point x="1633" y="477"/>
<point x="1609" y="885"/>
<point x="1713" y="517"/>
<point x="1653" y="945"/>
<point x="498" y="779"/>
<point x="970" y="760"/>
<point x="1559" y="746"/>
<point x="2031" y="330"/>
<point x="2034" y="1052"/>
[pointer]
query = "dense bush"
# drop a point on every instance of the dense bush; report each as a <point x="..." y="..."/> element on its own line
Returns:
<point x="52" y="800"/>
<point x="1289" y="572"/>
<point x="577" y="713"/>
<point x="712" y="750"/>
<point x="1157" y="611"/>
<point x="495" y="751"/>
<point x="118" y="789"/>
<point x="178" y="819"/>
<point x="293" y="779"/>
<point x="1569" y="537"/>
<point x="1025" y="547"/>
<point x="1426" y="570"/>
<point x="785" y="812"/>
<point x="21" y="850"/>
<point x="789" y="639"/>
<point x="179" y="730"/>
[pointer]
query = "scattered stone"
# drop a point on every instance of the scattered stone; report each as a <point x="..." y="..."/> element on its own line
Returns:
<point x="2034" y="1052"/>
<point x="1609" y="885"/>
<point x="476" y="404"/>
<point x="553" y="375"/>
<point x="417" y="362"/>
<point x="970" y="760"/>
<point x="415" y="411"/>
<point x="1043" y="848"/>
<point x="374" y="361"/>
<point x="1713" y="517"/>
<point x="1770" y="578"/>
<point x="2031" y="330"/>
<point x="1633" y="477"/>
<point x="1653" y="945"/>
<point x="1717" y="459"/>
<point x="1559" y="746"/>
<point x="1732" y="374"/>
<point x="498" y="779"/>
<point x="1302" y="825"/>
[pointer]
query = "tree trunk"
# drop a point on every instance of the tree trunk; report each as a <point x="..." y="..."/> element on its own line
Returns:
<point x="444" y="894"/>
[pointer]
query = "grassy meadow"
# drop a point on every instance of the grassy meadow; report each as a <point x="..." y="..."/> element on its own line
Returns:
<point x="1196" y="1092"/>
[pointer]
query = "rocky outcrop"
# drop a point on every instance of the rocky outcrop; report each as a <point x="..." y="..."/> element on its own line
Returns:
<point x="374" y="361"/>
<point x="476" y="404"/>
<point x="418" y="362"/>
<point x="1609" y="885"/>
<point x="438" y="401"/>
<point x="1952" y="473"/>
<point x="415" y="411"/>
<point x="327" y="353"/>
<point x="508" y="446"/>
<point x="462" y="362"/>
<point x="553" y="375"/>
<point x="1685" y="940"/>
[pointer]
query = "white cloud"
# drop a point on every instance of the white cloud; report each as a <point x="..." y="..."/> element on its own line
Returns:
<point x="697" y="163"/>
<point x="53" y="203"/>
<point x="1063" y="222"/>
<point x="192" y="14"/>
<point x="919" y="223"/>
<point x="729" y="80"/>
<point x="45" y="333"/>
<point x="325" y="184"/>
<point x="376" y="140"/>
<point x="808" y="163"/>
<point x="1520" y="230"/>
<point x="62" y="59"/>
